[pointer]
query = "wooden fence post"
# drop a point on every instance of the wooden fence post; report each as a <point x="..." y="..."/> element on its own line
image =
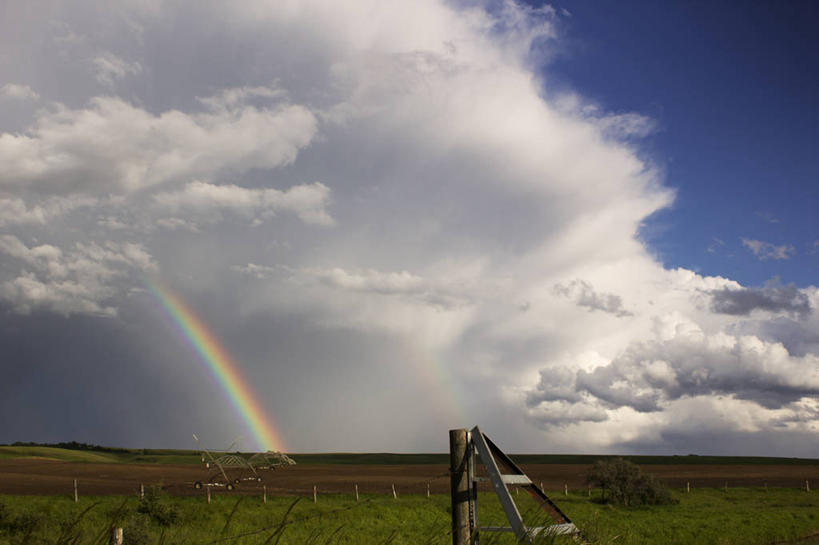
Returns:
<point x="264" y="493"/>
<point x="208" y="491"/>
<point x="141" y="491"/>
<point x="427" y="489"/>
<point x="76" y="492"/>
<point x="394" y="495"/>
<point x="315" y="495"/>
<point x="116" y="536"/>
<point x="356" y="492"/>
<point x="565" y="489"/>
<point x="459" y="486"/>
<point x="687" y="487"/>
<point x="807" y="486"/>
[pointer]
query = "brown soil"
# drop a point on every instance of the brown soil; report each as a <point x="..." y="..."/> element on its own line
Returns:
<point x="46" y="477"/>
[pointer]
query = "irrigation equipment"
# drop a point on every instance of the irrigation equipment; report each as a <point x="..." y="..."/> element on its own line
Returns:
<point x="229" y="470"/>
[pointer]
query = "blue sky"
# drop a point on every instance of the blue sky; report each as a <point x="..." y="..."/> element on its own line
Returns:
<point x="734" y="89"/>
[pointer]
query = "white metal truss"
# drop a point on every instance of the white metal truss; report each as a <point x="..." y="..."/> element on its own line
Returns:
<point x="480" y="447"/>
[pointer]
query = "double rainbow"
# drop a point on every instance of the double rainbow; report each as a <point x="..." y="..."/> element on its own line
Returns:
<point x="221" y="365"/>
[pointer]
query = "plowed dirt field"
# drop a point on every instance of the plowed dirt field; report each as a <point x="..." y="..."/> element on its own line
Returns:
<point x="47" y="477"/>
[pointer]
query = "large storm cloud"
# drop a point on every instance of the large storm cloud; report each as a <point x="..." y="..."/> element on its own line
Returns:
<point x="392" y="220"/>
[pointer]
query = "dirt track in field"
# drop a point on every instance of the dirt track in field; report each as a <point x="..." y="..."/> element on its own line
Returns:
<point x="46" y="477"/>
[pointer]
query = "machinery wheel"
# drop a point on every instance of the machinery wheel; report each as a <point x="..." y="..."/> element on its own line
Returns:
<point x="229" y="486"/>
<point x="197" y="485"/>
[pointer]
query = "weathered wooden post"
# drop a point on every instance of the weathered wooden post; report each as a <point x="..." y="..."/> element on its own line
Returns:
<point x="565" y="489"/>
<point x="807" y="486"/>
<point x="687" y="487"/>
<point x="264" y="493"/>
<point x="459" y="486"/>
<point x="394" y="495"/>
<point x="116" y="536"/>
<point x="76" y="492"/>
<point x="356" y="492"/>
<point x="427" y="489"/>
<point x="141" y="491"/>
<point x="208" y="491"/>
<point x="315" y="495"/>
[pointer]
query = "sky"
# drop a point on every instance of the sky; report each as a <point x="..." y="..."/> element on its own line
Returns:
<point x="352" y="226"/>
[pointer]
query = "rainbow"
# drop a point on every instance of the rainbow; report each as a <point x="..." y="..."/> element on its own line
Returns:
<point x="221" y="365"/>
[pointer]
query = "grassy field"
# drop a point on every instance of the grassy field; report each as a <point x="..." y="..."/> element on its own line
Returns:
<point x="123" y="456"/>
<point x="740" y="516"/>
<point x="177" y="456"/>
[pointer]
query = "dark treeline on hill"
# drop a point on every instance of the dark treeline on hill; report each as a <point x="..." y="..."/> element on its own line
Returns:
<point x="73" y="445"/>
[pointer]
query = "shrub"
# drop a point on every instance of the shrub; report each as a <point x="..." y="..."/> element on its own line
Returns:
<point x="158" y="510"/>
<point x="627" y="484"/>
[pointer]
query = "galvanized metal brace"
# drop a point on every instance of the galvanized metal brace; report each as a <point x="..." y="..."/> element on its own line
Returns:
<point x="480" y="446"/>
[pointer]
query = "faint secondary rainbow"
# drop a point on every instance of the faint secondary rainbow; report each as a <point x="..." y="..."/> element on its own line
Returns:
<point x="222" y="366"/>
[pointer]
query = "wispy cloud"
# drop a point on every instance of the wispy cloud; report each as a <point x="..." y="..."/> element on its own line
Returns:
<point x="715" y="245"/>
<point x="767" y="216"/>
<point x="110" y="68"/>
<point x="767" y="250"/>
<point x="18" y="91"/>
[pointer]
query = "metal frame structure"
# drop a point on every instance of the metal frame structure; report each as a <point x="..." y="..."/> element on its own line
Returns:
<point x="481" y="448"/>
<point x="228" y="470"/>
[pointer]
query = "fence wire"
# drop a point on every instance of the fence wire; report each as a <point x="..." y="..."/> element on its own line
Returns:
<point x="284" y="522"/>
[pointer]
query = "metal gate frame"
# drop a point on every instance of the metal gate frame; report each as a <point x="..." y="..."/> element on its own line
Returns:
<point x="481" y="448"/>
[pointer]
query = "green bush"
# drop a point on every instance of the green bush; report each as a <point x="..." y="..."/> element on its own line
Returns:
<point x="158" y="510"/>
<point x="625" y="483"/>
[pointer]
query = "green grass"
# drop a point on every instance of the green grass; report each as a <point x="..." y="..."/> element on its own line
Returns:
<point x="64" y="455"/>
<point x="127" y="456"/>
<point x="231" y="519"/>
<point x="747" y="516"/>
<point x="705" y="516"/>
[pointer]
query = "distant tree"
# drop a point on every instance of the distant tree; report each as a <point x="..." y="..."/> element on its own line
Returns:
<point x="625" y="483"/>
<point x="70" y="445"/>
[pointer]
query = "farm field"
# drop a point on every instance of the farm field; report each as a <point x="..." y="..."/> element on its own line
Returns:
<point x="48" y="477"/>
<point x="48" y="471"/>
<point x="765" y="502"/>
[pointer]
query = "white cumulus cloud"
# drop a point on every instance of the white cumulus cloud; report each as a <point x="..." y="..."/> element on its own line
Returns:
<point x="114" y="146"/>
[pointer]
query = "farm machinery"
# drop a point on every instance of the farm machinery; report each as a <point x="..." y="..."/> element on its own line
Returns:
<point x="229" y="470"/>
